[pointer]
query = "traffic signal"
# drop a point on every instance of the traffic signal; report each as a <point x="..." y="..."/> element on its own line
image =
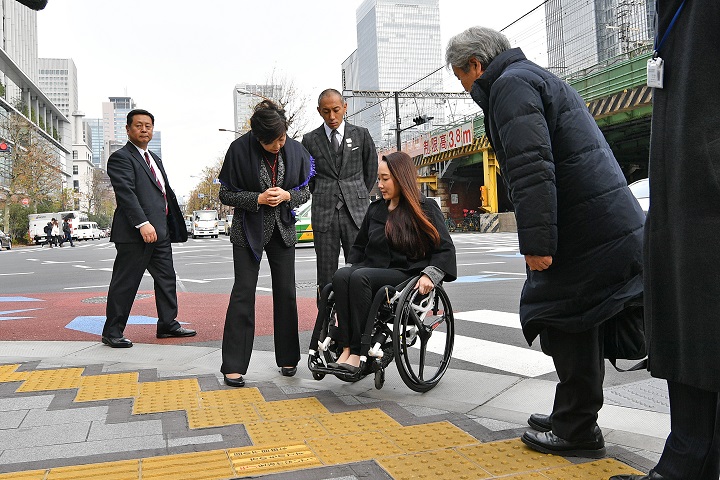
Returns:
<point x="422" y="119"/>
<point x="4" y="147"/>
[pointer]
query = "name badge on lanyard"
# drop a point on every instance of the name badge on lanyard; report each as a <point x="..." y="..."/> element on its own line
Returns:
<point x="655" y="71"/>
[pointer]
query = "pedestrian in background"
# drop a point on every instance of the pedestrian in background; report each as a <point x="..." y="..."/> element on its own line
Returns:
<point x="579" y="226"/>
<point x="264" y="177"/>
<point x="682" y="283"/>
<point x="346" y="166"/>
<point x="48" y="233"/>
<point x="56" y="233"/>
<point x="67" y="232"/>
<point x="147" y="219"/>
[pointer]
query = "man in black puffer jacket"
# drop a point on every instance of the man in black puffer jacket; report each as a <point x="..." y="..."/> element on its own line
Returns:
<point x="579" y="226"/>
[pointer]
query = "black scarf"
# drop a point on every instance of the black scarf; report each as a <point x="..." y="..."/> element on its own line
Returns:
<point x="241" y="172"/>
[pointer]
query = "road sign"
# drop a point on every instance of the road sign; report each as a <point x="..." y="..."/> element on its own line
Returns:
<point x="201" y="195"/>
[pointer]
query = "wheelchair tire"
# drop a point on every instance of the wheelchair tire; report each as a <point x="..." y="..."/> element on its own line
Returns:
<point x="318" y="376"/>
<point x="379" y="379"/>
<point x="439" y="324"/>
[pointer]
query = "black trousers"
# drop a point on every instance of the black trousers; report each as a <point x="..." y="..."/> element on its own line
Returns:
<point x="354" y="289"/>
<point x="692" y="450"/>
<point x="131" y="261"/>
<point x="239" y="330"/>
<point x="580" y="366"/>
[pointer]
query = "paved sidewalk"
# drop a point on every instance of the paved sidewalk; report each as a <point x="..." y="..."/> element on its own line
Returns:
<point x="140" y="413"/>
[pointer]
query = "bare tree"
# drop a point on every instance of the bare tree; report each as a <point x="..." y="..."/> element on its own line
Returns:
<point x="206" y="194"/>
<point x="292" y="100"/>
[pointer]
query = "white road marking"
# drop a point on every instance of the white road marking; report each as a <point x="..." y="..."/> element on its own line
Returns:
<point x="19" y="273"/>
<point x="491" y="317"/>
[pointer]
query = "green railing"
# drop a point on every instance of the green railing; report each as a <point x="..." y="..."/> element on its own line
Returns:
<point x="613" y="78"/>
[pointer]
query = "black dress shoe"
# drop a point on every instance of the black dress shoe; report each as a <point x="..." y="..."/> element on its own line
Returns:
<point x="548" y="442"/>
<point x="234" y="382"/>
<point x="288" y="371"/>
<point x="178" y="332"/>
<point x="652" y="475"/>
<point x="540" y="422"/>
<point x="350" y="368"/>
<point x="121" y="342"/>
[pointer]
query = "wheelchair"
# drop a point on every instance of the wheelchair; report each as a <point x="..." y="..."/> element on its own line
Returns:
<point x="417" y="331"/>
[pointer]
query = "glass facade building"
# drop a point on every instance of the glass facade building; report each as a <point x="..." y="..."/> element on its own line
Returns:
<point x="245" y="97"/>
<point x="398" y="44"/>
<point x="96" y="140"/>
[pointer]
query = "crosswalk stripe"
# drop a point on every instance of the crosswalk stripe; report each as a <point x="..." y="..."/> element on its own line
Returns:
<point x="491" y="317"/>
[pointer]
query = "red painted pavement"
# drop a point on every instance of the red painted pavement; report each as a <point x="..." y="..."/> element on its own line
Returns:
<point x="204" y="312"/>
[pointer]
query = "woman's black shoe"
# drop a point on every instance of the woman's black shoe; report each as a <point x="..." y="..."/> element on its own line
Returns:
<point x="288" y="371"/>
<point x="234" y="382"/>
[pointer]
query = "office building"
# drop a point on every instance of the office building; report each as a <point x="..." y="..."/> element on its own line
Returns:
<point x="398" y="44"/>
<point x="245" y="97"/>
<point x="57" y="78"/>
<point x="96" y="140"/>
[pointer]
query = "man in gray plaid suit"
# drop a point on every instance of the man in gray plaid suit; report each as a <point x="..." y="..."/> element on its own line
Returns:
<point x="346" y="165"/>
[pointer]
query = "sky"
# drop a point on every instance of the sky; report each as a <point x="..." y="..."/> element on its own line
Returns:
<point x="181" y="59"/>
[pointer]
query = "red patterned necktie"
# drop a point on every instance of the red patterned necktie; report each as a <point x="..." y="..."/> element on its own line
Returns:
<point x="157" y="181"/>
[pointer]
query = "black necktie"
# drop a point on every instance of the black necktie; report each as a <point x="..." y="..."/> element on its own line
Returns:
<point x="152" y="170"/>
<point x="334" y="141"/>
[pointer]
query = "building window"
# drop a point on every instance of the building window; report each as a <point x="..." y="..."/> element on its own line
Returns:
<point x="75" y="169"/>
<point x="76" y="185"/>
<point x="75" y="155"/>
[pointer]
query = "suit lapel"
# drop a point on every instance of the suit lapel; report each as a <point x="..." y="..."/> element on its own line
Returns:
<point x="138" y="158"/>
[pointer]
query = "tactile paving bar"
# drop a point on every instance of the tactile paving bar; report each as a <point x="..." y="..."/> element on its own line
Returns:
<point x="27" y="475"/>
<point x="259" y="461"/>
<point x="358" y="421"/>
<point x="122" y="470"/>
<point x="430" y="436"/>
<point x="220" y="416"/>
<point x="353" y="448"/>
<point x="285" y="431"/>
<point x="510" y="456"/>
<point x="236" y="396"/>
<point x="439" y="465"/>
<point x="595" y="470"/>
<point x="299" y="407"/>
<point x="214" y="464"/>
<point x="8" y="374"/>
<point x="44" y="380"/>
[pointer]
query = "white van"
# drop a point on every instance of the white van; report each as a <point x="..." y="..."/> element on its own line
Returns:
<point x="205" y="223"/>
<point x="88" y="231"/>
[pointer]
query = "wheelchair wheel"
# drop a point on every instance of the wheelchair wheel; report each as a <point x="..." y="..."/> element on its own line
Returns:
<point x="318" y="376"/>
<point x="417" y="333"/>
<point x="379" y="379"/>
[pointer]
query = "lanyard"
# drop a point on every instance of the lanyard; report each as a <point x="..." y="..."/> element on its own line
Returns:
<point x="659" y="45"/>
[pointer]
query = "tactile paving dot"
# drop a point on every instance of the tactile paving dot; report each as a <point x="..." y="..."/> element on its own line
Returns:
<point x="98" y="381"/>
<point x="122" y="470"/>
<point x="353" y="448"/>
<point x="165" y="403"/>
<point x="528" y="476"/>
<point x="107" y="392"/>
<point x="430" y="436"/>
<point x="236" y="396"/>
<point x="299" y="407"/>
<point x="27" y="475"/>
<point x="510" y="456"/>
<point x="264" y="460"/>
<point x="43" y="380"/>
<point x="438" y="464"/>
<point x="595" y="470"/>
<point x="165" y="387"/>
<point x="219" y="416"/>
<point x="214" y="464"/>
<point x="8" y="374"/>
<point x="285" y="431"/>
<point x="358" y="421"/>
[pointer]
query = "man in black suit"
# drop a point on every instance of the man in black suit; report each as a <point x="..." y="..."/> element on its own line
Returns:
<point x="147" y="219"/>
<point x="346" y="164"/>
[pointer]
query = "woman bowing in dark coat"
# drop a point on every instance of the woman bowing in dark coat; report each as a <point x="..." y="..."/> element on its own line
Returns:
<point x="264" y="176"/>
<point x="402" y="235"/>
<point x="579" y="226"/>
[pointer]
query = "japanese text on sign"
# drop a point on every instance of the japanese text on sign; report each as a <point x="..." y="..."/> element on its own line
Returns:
<point x="457" y="137"/>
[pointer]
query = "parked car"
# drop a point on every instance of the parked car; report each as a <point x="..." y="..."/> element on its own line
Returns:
<point x="641" y="190"/>
<point x="228" y="223"/>
<point x="5" y="241"/>
<point x="88" y="231"/>
<point x="303" y="226"/>
<point x="222" y="227"/>
<point x="188" y="225"/>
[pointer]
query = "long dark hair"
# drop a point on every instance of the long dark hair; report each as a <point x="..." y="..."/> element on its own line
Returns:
<point x="408" y="229"/>
<point x="268" y="122"/>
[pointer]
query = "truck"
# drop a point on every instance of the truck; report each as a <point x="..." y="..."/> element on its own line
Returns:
<point x="205" y="223"/>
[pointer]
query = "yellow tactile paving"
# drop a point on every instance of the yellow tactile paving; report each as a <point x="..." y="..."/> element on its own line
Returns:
<point x="98" y="381"/>
<point x="210" y="465"/>
<point x="8" y="374"/>
<point x="353" y="448"/>
<point x="358" y="421"/>
<point x="299" y="407"/>
<point x="595" y="470"/>
<point x="106" y="392"/>
<point x="164" y="387"/>
<point x="122" y="470"/>
<point x="285" y="431"/>
<point x="236" y="396"/>
<point x="27" y="475"/>
<point x="438" y="465"/>
<point x="526" y="476"/>
<point x="165" y="402"/>
<point x="510" y="456"/>
<point x="220" y="416"/>
<point x="59" y="379"/>
<point x="430" y="436"/>
<point x="254" y="461"/>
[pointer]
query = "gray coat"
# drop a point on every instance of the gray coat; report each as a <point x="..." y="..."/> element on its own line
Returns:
<point x="682" y="290"/>
<point x="354" y="179"/>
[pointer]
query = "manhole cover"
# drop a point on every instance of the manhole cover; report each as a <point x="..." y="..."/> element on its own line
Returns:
<point x="139" y="296"/>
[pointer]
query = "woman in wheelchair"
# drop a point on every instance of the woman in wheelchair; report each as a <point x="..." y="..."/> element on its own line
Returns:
<point x="402" y="236"/>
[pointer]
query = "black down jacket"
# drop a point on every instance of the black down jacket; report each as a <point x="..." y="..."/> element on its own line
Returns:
<point x="571" y="199"/>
